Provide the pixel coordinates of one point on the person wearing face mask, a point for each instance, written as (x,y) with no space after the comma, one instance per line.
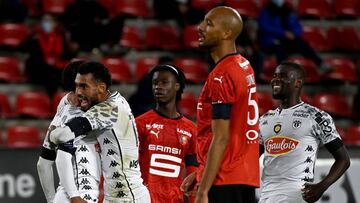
(48,53)
(280,33)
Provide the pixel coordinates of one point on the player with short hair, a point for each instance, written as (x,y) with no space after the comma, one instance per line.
(108,117)
(291,135)
(227,116)
(71,164)
(167,138)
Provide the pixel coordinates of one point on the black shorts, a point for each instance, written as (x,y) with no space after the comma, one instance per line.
(232,194)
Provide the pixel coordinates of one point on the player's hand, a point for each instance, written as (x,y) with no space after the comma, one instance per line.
(201,197)
(77,200)
(312,192)
(289,35)
(188,183)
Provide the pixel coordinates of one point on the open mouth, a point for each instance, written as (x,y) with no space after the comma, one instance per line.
(83,102)
(201,37)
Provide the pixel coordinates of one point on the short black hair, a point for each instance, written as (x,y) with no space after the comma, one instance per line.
(295,67)
(178,73)
(98,70)
(69,74)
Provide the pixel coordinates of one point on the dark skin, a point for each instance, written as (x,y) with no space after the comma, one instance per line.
(164,87)
(286,85)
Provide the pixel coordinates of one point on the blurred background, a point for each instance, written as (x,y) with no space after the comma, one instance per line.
(39,37)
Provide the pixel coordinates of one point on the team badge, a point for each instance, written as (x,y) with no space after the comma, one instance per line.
(277,128)
(183,139)
(296,123)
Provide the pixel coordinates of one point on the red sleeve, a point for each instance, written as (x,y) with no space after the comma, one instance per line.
(192,148)
(222,89)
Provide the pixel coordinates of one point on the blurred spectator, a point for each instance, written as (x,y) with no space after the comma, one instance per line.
(85,21)
(12,11)
(47,51)
(280,33)
(178,10)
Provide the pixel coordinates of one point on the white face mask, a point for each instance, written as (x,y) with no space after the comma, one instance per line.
(47,26)
(278,3)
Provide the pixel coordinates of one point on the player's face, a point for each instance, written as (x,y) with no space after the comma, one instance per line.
(164,86)
(282,83)
(87,90)
(210,30)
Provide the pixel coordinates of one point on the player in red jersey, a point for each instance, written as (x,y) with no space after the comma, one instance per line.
(166,138)
(227,117)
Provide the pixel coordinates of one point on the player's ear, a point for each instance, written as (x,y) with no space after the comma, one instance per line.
(102,88)
(177,86)
(299,83)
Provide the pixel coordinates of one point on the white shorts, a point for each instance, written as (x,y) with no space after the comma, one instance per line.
(283,199)
(62,197)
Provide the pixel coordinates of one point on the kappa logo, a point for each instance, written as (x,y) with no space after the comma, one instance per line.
(280,145)
(277,128)
(219,79)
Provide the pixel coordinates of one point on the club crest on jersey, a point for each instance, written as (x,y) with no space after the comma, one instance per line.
(280,145)
(277,128)
(296,123)
(183,139)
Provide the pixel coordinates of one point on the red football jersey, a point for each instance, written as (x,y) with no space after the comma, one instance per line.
(163,145)
(231,82)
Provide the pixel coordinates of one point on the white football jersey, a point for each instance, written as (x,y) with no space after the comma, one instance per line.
(86,160)
(114,125)
(291,138)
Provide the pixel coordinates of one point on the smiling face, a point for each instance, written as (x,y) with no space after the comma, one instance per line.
(164,86)
(283,83)
(87,90)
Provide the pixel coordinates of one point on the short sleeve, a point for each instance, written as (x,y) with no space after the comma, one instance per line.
(324,127)
(102,116)
(222,89)
(140,129)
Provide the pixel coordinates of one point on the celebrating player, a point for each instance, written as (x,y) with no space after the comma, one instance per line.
(291,135)
(86,173)
(108,117)
(167,139)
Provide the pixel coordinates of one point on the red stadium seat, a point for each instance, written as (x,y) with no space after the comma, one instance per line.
(119,69)
(12,34)
(341,131)
(162,37)
(55,6)
(137,8)
(344,38)
(268,70)
(188,104)
(33,7)
(333,36)
(131,38)
(333,103)
(109,6)
(343,70)
(265,102)
(143,66)
(347,8)
(195,70)
(248,8)
(205,4)
(56,100)
(312,74)
(33,104)
(23,137)
(315,8)
(316,37)
(191,37)
(5,107)
(10,69)
(353,135)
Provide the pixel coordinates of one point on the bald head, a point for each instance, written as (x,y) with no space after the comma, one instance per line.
(229,18)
